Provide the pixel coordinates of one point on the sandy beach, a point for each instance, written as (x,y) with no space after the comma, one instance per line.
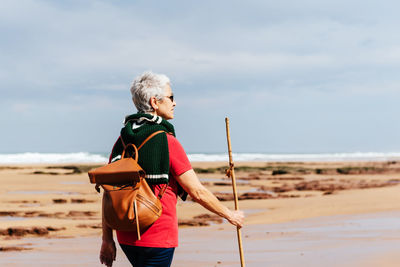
(304,213)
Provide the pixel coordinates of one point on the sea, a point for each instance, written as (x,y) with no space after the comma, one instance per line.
(86,157)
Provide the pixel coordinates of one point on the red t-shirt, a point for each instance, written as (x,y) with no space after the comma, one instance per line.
(164,232)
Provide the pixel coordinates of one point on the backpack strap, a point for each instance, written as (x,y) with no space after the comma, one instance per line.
(149,137)
(164,188)
(162,191)
(122,141)
(145,140)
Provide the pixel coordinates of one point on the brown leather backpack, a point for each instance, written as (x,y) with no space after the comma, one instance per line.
(129,204)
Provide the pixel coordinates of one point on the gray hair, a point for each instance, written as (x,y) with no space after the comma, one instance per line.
(145,86)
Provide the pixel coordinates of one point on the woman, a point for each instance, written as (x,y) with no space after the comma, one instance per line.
(165,162)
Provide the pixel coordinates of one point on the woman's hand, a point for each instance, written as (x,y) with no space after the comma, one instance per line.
(236,217)
(108,253)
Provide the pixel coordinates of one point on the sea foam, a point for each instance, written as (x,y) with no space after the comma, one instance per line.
(32,157)
(290,157)
(85,157)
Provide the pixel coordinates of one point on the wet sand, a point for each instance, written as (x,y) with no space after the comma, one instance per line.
(349,240)
(311,214)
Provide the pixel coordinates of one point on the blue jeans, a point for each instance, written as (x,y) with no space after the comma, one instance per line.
(147,256)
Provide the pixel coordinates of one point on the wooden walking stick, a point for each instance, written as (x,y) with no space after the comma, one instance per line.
(231,173)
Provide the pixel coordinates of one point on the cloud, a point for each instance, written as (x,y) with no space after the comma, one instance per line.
(274,58)
(57,46)
(21,107)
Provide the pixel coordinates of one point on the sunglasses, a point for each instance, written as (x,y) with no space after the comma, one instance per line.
(171,97)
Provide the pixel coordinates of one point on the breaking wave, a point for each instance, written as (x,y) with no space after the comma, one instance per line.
(85,157)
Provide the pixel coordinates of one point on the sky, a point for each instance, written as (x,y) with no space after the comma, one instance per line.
(292,76)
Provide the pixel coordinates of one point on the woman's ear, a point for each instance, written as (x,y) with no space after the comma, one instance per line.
(153,102)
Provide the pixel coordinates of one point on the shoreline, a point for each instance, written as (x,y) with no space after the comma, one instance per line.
(93,158)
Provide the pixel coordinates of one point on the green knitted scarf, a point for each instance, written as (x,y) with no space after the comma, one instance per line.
(154,155)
